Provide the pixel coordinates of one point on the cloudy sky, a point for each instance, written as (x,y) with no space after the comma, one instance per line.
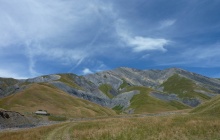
(39,37)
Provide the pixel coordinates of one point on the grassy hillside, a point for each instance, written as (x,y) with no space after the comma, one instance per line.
(55,101)
(124,84)
(106,88)
(144,103)
(183,87)
(211,107)
(69,80)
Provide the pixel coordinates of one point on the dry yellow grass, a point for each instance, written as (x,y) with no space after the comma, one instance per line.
(55,101)
(184,127)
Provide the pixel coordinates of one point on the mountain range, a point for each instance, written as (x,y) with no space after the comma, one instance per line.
(122,90)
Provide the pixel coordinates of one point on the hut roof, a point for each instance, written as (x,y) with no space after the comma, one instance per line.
(41,112)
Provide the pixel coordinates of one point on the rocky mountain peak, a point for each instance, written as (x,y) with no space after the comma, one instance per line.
(46,78)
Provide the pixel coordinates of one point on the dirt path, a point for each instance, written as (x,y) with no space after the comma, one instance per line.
(61,133)
(65,132)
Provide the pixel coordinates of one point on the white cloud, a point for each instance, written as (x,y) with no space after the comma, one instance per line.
(39,21)
(52,29)
(140,44)
(101,67)
(87,71)
(64,56)
(203,56)
(167,23)
(66,32)
(145,56)
(199,56)
(26,20)
(67,55)
(203,52)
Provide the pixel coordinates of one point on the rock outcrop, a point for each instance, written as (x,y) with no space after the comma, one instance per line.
(9,119)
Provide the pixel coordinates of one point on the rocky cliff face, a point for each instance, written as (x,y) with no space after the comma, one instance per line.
(149,78)
(203,86)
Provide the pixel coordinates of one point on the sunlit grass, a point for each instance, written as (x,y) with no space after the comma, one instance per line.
(144,103)
(69,80)
(166,128)
(209,108)
(183,87)
(106,88)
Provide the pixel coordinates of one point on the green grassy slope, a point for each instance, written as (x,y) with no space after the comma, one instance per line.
(183,87)
(211,107)
(144,103)
(105,88)
(69,80)
(124,84)
(55,101)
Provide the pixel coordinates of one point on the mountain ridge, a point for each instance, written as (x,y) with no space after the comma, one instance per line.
(112,88)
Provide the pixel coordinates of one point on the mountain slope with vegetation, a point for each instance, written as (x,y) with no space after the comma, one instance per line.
(172,84)
(120,104)
(183,87)
(144,103)
(149,91)
(8,86)
(211,107)
(46,97)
